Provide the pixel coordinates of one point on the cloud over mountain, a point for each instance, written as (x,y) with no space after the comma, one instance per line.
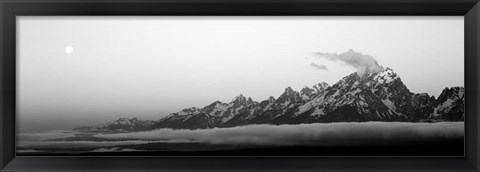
(318,66)
(362,62)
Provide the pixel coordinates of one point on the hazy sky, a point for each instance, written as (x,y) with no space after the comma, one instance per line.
(148,67)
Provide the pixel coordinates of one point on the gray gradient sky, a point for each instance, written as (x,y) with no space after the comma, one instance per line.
(148,67)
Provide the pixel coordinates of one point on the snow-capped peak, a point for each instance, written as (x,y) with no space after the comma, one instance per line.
(192,109)
(289,97)
(350,79)
(217,102)
(271,99)
(213,105)
(250,101)
(188,111)
(453,92)
(450,101)
(386,76)
(321,86)
(239,98)
(306,93)
(119,125)
(289,90)
(127,120)
(305,90)
(122,119)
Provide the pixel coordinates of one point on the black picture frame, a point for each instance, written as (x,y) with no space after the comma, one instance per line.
(9,9)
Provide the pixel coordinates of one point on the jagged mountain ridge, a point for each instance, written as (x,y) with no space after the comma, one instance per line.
(374,96)
(121,124)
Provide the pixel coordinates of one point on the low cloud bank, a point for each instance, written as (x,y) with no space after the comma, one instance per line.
(45,135)
(76,144)
(114,149)
(320,134)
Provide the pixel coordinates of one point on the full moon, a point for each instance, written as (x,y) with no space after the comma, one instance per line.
(68,49)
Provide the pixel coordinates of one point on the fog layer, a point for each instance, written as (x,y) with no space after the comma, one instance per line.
(330,134)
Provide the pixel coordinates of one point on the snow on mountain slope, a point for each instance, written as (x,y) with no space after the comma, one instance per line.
(372,96)
(308,93)
(120,125)
(450,105)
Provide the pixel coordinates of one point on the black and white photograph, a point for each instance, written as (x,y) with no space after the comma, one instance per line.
(240,86)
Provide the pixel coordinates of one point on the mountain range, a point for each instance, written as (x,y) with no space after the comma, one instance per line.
(373,96)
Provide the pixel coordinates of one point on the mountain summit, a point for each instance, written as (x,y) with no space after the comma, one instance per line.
(373,96)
